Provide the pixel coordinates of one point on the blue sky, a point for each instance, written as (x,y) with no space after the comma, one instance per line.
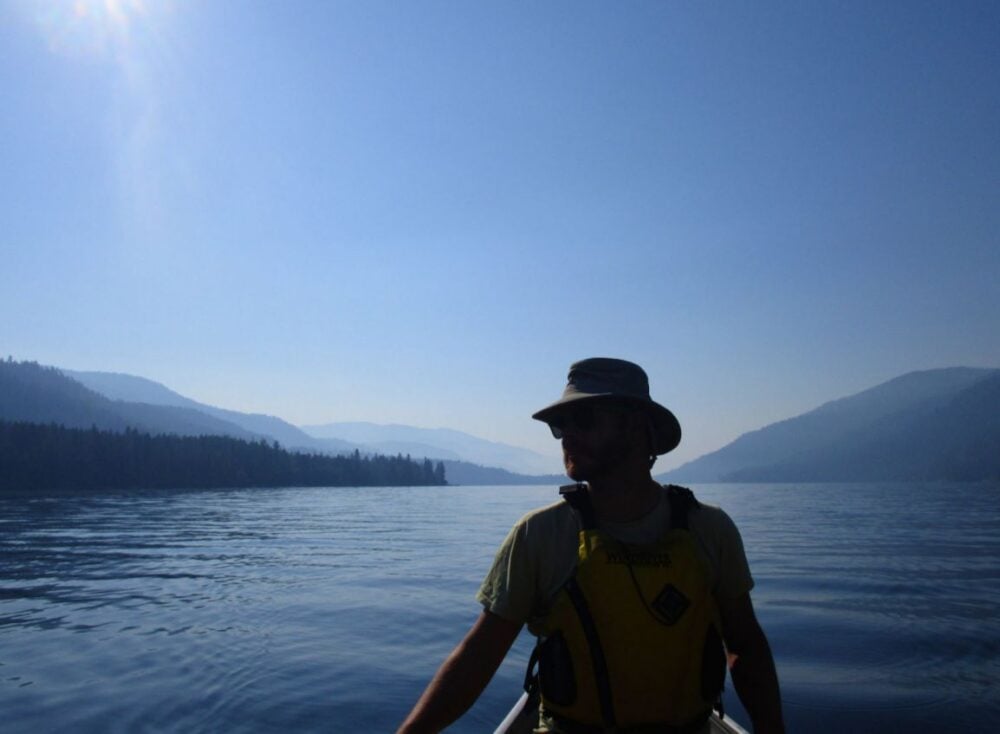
(423,212)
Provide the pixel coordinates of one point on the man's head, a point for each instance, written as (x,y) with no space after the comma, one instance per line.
(605,415)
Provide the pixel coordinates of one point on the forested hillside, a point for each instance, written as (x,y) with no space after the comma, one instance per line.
(36,394)
(49,457)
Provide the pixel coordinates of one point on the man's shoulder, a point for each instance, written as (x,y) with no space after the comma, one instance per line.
(720,540)
(556,513)
(546,529)
(712,514)
(710,521)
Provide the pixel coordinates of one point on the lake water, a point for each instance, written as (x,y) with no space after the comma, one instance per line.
(329,609)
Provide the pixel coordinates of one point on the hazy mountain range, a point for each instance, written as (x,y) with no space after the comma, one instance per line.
(934,425)
(114,401)
(443,443)
(131,389)
(937,424)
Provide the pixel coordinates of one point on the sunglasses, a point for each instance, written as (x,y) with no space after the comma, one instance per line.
(582,417)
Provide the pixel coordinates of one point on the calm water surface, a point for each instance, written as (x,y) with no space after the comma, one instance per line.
(329,609)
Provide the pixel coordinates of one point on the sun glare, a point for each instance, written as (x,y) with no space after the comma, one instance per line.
(90,26)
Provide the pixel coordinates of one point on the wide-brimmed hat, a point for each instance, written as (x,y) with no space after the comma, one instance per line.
(603,377)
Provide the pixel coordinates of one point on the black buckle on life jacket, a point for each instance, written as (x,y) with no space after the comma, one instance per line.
(578,497)
(571,492)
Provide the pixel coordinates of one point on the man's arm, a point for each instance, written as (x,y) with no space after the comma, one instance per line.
(754,675)
(463,675)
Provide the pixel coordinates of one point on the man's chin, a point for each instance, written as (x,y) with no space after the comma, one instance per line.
(575,471)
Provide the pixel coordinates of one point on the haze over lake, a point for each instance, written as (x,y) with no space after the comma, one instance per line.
(328,609)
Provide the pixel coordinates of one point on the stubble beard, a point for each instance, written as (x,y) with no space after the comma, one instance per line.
(588,464)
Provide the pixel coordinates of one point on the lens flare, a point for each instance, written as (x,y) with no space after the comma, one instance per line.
(90,27)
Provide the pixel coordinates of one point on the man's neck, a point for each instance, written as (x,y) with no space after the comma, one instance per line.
(623,497)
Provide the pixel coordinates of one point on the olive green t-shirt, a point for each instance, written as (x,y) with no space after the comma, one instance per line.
(540,553)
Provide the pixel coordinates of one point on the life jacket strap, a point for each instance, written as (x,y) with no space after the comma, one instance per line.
(597,659)
(531,674)
(682,500)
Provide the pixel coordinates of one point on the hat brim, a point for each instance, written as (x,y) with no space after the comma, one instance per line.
(665,423)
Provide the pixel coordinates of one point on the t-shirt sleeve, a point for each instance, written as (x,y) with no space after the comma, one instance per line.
(509,588)
(734,570)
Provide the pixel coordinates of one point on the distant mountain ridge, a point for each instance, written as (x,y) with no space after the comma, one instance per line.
(467,473)
(131,388)
(931,425)
(446,443)
(35,394)
(115,401)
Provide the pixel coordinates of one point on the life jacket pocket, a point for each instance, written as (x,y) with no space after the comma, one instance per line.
(555,670)
(713,665)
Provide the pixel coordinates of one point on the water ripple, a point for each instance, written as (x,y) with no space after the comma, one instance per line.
(303,609)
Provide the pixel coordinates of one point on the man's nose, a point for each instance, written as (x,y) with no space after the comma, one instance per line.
(571,440)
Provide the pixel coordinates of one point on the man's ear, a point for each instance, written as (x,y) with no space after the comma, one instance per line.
(648,433)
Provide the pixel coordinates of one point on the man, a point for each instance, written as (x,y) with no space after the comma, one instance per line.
(628,585)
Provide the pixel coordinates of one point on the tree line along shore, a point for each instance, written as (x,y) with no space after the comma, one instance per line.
(35,456)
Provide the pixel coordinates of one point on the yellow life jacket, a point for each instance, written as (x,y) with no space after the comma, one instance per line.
(632,639)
